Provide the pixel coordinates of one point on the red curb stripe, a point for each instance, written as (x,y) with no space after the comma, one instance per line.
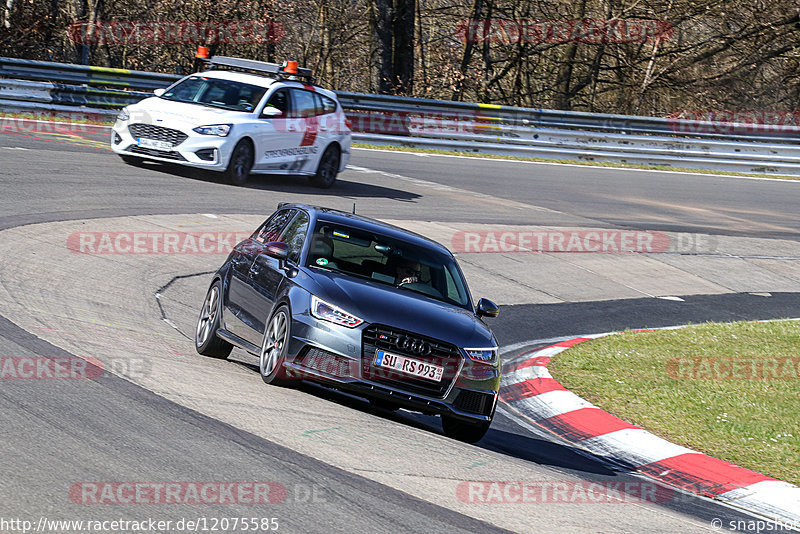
(571,342)
(530,388)
(584,423)
(702,474)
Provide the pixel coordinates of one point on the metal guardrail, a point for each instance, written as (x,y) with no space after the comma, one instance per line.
(445,125)
(26,69)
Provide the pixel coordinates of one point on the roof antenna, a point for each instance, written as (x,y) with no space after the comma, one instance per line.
(354,208)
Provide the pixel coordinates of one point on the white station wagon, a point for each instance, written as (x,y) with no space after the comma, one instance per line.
(240,117)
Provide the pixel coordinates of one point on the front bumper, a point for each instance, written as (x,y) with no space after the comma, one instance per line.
(203,151)
(336,355)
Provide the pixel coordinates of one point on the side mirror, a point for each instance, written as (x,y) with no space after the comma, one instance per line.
(159,92)
(277,250)
(271,112)
(487,308)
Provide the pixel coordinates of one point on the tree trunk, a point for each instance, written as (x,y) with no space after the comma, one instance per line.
(403,64)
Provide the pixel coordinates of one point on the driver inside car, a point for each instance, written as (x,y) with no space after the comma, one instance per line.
(407,272)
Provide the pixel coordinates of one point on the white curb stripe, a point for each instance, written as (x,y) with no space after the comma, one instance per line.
(527,373)
(551,404)
(773,498)
(549,351)
(638,447)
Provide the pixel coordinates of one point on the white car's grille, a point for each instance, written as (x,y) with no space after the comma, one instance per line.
(159,133)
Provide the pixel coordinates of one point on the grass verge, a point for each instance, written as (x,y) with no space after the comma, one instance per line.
(610,164)
(730,390)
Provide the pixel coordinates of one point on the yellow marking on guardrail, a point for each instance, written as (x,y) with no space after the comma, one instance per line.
(489,106)
(109,70)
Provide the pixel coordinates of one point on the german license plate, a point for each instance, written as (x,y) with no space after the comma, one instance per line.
(153,143)
(409,366)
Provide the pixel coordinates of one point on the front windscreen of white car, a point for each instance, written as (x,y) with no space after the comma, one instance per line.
(225,94)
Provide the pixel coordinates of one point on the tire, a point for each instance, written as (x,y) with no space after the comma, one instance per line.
(273,349)
(327,169)
(205,339)
(240,163)
(131,160)
(463,430)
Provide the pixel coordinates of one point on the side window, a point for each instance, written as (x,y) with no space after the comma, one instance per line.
(304,103)
(280,100)
(272,229)
(295,235)
(327,105)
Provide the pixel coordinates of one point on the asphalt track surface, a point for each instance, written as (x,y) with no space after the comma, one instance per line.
(58,432)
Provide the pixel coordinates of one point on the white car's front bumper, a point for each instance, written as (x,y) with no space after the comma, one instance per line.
(206,151)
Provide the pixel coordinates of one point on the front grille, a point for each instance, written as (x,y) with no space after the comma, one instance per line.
(157,153)
(386,338)
(329,363)
(159,133)
(474,402)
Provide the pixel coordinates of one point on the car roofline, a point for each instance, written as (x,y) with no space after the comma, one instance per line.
(363,223)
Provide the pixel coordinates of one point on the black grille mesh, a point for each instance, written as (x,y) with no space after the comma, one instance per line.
(474,402)
(159,133)
(383,337)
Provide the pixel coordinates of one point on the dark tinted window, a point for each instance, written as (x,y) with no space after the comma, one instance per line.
(218,93)
(295,235)
(304,103)
(388,261)
(280,100)
(272,229)
(328,105)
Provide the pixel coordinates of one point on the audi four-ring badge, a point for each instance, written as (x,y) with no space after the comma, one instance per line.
(360,305)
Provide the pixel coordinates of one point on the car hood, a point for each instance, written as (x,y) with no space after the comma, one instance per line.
(162,112)
(375,302)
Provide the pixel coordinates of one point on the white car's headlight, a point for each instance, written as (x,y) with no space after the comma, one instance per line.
(487,355)
(220,130)
(123,115)
(328,312)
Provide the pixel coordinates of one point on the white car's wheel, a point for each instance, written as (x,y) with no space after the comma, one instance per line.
(240,163)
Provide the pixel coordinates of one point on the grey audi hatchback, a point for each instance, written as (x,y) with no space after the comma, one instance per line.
(323,295)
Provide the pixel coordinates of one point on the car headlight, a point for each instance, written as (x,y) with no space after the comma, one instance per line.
(328,312)
(220,130)
(123,115)
(487,355)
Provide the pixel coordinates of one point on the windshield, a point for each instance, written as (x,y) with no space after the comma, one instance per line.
(388,261)
(224,94)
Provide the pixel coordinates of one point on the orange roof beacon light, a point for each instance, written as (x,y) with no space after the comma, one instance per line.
(290,67)
(202,52)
